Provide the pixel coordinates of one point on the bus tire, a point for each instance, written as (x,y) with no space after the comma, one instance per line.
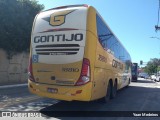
(106,98)
(114,90)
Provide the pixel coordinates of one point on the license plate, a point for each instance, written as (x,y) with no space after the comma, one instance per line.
(52,90)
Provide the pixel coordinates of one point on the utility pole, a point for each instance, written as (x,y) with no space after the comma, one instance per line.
(156,26)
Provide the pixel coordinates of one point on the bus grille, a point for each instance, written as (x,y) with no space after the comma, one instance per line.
(57,49)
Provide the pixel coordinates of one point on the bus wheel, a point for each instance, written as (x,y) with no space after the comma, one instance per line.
(108,94)
(114,90)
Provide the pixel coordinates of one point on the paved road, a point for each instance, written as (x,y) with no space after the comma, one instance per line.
(143,95)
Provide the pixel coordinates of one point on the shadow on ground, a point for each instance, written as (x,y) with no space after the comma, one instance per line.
(132,98)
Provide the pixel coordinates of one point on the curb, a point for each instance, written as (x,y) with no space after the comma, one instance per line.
(11,86)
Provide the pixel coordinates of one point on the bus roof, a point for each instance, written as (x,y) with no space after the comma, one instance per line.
(68,6)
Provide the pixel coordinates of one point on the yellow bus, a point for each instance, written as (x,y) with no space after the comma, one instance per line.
(75,56)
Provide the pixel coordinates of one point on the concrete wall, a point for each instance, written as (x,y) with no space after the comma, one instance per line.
(14,70)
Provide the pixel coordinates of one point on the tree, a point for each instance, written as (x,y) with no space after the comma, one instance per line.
(16,18)
(152,66)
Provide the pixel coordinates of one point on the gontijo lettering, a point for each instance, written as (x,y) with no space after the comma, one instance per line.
(58,38)
(117,64)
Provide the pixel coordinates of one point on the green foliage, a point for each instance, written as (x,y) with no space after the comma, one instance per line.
(153,66)
(16,18)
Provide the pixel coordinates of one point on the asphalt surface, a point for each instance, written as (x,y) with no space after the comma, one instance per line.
(142,96)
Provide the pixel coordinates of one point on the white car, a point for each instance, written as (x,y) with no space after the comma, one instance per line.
(153,77)
(144,75)
(158,78)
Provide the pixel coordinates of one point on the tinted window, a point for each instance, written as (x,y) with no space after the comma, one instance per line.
(110,42)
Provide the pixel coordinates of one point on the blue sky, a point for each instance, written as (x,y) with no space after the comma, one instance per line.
(132,21)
